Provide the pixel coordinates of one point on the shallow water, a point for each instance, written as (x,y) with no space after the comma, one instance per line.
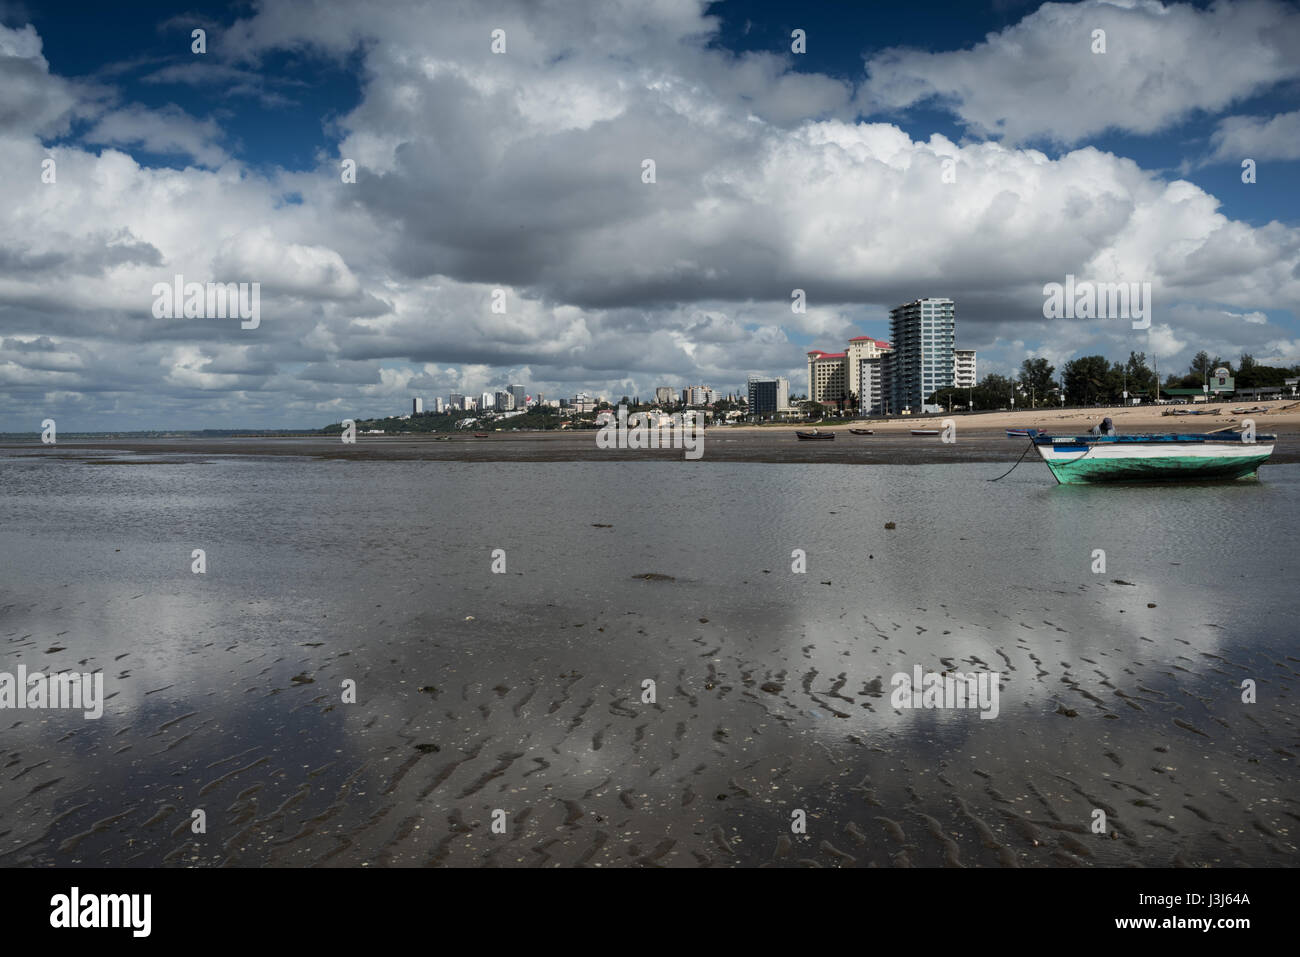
(522,691)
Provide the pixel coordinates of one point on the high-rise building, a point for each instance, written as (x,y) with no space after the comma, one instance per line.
(664,395)
(417,407)
(520,396)
(505,401)
(859,348)
(923,332)
(887,382)
(768,397)
(698,395)
(871,380)
(486,401)
(456,401)
(439,406)
(963,368)
(828,376)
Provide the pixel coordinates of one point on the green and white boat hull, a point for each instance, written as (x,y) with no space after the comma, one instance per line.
(1079,460)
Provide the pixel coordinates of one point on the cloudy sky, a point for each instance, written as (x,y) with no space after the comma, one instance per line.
(523,171)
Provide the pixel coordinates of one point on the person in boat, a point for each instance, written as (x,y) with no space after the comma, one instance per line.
(1105,427)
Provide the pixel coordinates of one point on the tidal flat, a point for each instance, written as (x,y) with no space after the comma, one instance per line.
(620,663)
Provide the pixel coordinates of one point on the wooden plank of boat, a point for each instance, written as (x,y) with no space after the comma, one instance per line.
(925,431)
(862,431)
(815,434)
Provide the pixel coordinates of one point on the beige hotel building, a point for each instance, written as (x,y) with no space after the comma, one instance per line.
(832,374)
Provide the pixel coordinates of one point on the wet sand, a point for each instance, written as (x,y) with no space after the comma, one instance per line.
(522,692)
(893,444)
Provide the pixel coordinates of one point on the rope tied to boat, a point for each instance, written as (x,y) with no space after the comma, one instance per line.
(1028,449)
(1086,453)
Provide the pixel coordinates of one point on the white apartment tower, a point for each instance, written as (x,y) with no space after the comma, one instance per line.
(963,368)
(923,332)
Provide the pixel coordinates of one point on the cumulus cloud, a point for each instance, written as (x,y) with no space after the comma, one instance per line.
(523,172)
(1256,137)
(31,100)
(1039,79)
(168,131)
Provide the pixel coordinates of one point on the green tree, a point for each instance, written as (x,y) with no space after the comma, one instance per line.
(1201,367)
(997,389)
(1247,372)
(1141,380)
(1036,378)
(1087,379)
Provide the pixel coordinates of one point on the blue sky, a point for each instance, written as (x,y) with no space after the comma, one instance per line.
(521,171)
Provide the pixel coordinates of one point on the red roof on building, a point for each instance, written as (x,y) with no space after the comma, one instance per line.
(826,355)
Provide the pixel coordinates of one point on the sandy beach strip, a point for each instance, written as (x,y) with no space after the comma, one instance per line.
(980,437)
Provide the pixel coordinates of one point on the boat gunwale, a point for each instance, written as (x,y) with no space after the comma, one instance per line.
(1172,438)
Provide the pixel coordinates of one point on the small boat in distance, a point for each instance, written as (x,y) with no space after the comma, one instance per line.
(480,435)
(862,431)
(815,434)
(925,431)
(1192,457)
(1017,433)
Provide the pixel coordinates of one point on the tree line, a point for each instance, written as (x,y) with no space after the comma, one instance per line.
(1088,380)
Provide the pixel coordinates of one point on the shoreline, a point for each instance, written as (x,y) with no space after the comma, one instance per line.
(1279,415)
(980,437)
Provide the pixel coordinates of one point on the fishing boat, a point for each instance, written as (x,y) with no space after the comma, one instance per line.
(862,431)
(1017,433)
(1191,457)
(480,435)
(815,434)
(925,431)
